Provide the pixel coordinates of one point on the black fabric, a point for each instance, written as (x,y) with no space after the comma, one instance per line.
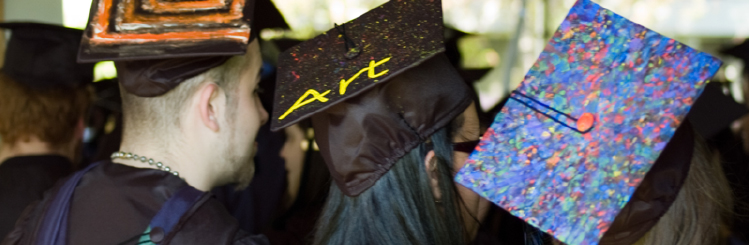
(740,51)
(114,203)
(362,137)
(23,180)
(713,111)
(150,78)
(43,56)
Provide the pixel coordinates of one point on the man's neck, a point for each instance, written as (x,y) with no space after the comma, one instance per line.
(189,167)
(32,147)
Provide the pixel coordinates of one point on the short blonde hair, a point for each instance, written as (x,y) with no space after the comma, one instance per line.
(148,116)
(702,207)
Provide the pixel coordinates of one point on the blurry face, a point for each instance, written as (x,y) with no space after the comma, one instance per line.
(474,207)
(246,120)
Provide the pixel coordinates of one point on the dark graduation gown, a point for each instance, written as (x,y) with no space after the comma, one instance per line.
(114,203)
(23,180)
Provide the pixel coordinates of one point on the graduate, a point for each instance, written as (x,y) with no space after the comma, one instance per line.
(594,146)
(188,73)
(393,120)
(43,104)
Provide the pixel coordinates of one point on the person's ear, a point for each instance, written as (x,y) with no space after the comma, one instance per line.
(430,165)
(207,105)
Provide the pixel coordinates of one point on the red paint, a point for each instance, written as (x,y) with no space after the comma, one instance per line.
(585,122)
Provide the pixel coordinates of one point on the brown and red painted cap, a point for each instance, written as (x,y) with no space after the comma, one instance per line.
(374,87)
(157,44)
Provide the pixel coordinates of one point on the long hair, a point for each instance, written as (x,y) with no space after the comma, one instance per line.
(400,208)
(701,207)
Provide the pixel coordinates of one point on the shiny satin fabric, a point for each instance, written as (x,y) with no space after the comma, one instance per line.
(657,191)
(114,203)
(151,78)
(362,137)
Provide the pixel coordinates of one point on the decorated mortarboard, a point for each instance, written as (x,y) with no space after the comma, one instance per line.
(375,88)
(42,56)
(584,129)
(157,44)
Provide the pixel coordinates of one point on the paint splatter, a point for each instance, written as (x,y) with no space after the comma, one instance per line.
(637,84)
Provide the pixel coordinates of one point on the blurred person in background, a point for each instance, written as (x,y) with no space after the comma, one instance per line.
(44,97)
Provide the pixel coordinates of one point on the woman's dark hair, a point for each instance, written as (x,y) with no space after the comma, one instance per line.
(400,208)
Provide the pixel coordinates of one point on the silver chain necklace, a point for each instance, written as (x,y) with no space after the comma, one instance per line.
(131,156)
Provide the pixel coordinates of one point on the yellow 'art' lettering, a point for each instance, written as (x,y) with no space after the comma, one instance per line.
(301,101)
(371,74)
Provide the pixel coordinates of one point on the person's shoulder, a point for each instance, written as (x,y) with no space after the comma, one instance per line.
(30,219)
(211,223)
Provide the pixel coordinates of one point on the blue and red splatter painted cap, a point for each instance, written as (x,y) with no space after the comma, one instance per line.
(588,122)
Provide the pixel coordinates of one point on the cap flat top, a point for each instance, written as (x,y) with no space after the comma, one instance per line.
(156,29)
(320,72)
(544,159)
(43,56)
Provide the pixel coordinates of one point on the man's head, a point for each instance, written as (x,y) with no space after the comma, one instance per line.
(53,117)
(208,122)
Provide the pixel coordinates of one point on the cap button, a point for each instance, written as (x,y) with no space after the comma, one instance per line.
(157,234)
(353,52)
(585,122)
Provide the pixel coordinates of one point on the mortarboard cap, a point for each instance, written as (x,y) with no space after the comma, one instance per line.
(42,56)
(740,51)
(714,111)
(269,16)
(157,44)
(374,87)
(590,119)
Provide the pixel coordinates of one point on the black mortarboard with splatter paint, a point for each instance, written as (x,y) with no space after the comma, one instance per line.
(375,88)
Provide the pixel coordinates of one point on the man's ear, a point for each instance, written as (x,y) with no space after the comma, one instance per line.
(430,165)
(206,106)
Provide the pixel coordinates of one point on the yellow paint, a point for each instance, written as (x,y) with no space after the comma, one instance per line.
(370,73)
(301,101)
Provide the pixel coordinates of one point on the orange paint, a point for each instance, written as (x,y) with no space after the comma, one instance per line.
(172,7)
(107,38)
(130,17)
(552,162)
(585,122)
(101,35)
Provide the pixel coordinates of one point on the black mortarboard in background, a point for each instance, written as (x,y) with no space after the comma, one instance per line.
(713,111)
(43,56)
(375,88)
(269,16)
(740,51)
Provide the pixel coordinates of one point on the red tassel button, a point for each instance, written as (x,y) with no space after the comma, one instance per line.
(585,122)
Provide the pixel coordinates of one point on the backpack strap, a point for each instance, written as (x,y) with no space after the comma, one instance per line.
(54,227)
(172,211)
